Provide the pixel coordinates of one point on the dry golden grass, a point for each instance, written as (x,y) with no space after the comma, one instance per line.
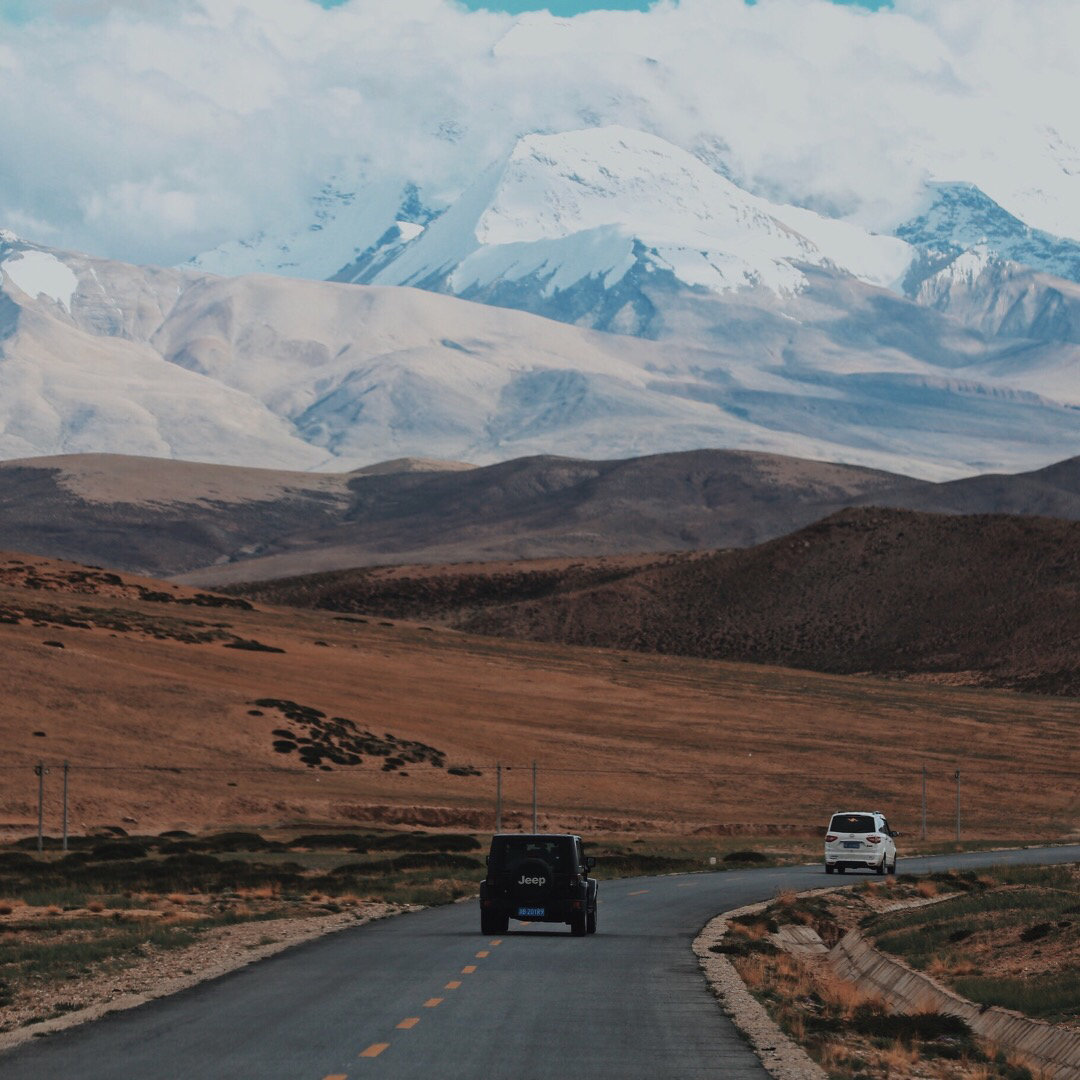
(844,996)
(259,892)
(947,967)
(749,749)
(96,906)
(6,907)
(898,1059)
(753,970)
(927,889)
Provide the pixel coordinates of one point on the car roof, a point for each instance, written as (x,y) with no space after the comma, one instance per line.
(540,836)
(872,813)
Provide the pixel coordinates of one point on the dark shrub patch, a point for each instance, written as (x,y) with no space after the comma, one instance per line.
(744,946)
(181,847)
(241,841)
(251,645)
(1034,933)
(117,850)
(332,841)
(745,857)
(325,742)
(925,1027)
(10,860)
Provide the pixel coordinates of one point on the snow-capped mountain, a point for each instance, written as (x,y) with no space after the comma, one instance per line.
(609,227)
(960,218)
(565,208)
(267,370)
(567,224)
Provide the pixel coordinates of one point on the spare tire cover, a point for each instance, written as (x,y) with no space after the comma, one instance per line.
(531,882)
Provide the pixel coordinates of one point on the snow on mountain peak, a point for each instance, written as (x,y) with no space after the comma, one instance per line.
(8,237)
(969,266)
(38,273)
(593,204)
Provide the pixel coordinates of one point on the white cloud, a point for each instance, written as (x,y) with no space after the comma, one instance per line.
(151,131)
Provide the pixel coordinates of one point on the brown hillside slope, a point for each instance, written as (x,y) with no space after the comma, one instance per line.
(987,599)
(166,725)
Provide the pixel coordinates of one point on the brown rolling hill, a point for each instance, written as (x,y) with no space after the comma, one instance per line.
(989,599)
(215,525)
(180,709)
(981,599)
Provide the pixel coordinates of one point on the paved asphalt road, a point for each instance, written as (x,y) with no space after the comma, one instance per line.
(426,995)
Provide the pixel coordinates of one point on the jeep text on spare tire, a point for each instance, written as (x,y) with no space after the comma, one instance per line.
(538,877)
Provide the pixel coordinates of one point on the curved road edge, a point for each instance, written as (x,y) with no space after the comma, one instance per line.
(332,924)
(781,1056)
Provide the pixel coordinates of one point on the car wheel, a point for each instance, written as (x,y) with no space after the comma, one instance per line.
(892,869)
(828,869)
(578,925)
(590,922)
(491,923)
(841,869)
(880,868)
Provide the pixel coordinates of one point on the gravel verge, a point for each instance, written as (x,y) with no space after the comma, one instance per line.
(782,1058)
(161,972)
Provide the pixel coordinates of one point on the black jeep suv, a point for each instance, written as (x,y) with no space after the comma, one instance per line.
(538,877)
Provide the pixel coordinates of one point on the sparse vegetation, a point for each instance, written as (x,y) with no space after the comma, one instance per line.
(984,934)
(341,742)
(982,941)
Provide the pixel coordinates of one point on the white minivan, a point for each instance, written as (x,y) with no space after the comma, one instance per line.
(860,840)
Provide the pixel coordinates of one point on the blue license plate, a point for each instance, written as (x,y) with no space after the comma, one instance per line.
(852,844)
(530,913)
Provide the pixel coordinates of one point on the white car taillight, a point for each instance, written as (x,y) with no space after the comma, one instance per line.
(873,839)
(831,838)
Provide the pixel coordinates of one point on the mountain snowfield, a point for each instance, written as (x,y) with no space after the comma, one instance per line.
(288,373)
(582,204)
(565,208)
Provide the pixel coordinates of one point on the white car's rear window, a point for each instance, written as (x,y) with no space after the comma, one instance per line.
(854,823)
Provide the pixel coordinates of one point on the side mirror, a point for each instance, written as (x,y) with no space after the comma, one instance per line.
(895,832)
(590,861)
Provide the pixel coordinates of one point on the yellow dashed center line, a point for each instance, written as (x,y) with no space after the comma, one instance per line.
(639,892)
(374,1050)
(468,969)
(336,1076)
(432,1002)
(496,943)
(410,1022)
(453,984)
(482,953)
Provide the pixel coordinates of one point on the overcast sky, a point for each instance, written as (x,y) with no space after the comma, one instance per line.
(151,131)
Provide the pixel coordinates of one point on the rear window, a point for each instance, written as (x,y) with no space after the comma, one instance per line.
(858,823)
(509,850)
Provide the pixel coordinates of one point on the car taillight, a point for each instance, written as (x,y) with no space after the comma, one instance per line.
(831,837)
(873,839)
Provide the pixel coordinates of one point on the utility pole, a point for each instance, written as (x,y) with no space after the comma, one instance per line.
(498,796)
(39,768)
(67,768)
(957,774)
(924,802)
(534,797)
